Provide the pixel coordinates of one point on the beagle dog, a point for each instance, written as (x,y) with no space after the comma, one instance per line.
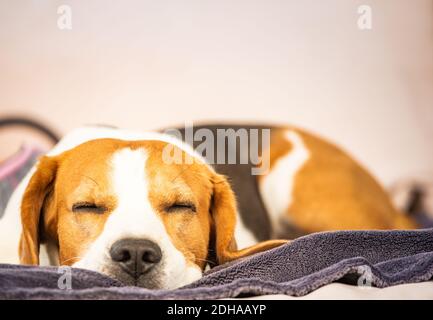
(105,199)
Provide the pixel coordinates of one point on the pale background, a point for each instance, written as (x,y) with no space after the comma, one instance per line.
(150,64)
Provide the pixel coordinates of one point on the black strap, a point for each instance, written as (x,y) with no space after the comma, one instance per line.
(26,122)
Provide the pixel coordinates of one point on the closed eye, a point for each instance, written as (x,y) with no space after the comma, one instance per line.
(179,207)
(88,207)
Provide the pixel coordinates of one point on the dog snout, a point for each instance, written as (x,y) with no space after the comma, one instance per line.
(136,256)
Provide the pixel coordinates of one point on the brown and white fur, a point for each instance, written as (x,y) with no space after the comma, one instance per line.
(99,186)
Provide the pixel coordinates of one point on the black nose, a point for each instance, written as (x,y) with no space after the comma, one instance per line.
(136,256)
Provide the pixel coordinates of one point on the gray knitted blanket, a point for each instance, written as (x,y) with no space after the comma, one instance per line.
(368,258)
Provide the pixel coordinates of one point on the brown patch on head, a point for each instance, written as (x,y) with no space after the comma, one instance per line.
(180,194)
(78,175)
(83,179)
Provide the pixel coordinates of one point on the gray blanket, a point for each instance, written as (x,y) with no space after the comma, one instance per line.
(377,258)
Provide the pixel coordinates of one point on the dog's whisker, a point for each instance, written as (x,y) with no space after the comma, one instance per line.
(72,258)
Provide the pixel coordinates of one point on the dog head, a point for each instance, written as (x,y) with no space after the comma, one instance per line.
(117,207)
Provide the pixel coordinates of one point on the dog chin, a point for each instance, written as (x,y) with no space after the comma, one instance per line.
(143,281)
(155,279)
(160,277)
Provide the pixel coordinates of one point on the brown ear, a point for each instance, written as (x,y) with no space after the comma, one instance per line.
(31,207)
(223,213)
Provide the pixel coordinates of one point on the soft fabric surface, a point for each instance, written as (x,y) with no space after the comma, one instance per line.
(394,257)
(342,291)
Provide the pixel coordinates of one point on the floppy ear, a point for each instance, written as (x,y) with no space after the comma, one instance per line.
(223,212)
(31,208)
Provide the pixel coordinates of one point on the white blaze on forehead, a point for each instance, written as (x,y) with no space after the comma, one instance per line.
(134,215)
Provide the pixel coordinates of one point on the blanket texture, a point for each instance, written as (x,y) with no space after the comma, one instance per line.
(376,258)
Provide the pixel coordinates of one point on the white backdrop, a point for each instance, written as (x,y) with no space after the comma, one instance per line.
(149,64)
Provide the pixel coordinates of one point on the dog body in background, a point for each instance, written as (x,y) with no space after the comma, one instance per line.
(104,199)
(311,186)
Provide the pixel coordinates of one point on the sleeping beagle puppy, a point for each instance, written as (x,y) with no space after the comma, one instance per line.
(106,200)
